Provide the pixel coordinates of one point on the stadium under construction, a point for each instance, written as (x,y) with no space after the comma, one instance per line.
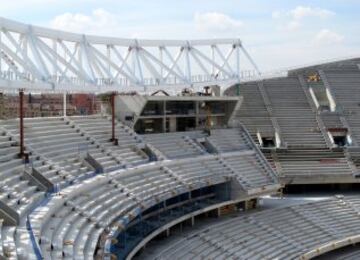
(170,150)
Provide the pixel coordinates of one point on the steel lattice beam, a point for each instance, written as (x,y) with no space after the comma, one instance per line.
(36,58)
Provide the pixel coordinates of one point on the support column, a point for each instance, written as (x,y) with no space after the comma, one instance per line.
(64,104)
(238,61)
(113,138)
(161,49)
(164,117)
(21,117)
(2,105)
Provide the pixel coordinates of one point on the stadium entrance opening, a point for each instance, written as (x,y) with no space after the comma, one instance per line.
(266,139)
(340,136)
(340,140)
(268,142)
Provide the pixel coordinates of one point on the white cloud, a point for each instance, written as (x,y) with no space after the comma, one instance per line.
(14,5)
(293,25)
(99,22)
(301,12)
(327,37)
(276,14)
(102,22)
(293,19)
(216,22)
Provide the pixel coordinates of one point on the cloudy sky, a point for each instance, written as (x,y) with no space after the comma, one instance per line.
(277,33)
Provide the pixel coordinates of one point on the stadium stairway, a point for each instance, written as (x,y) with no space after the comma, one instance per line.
(344,85)
(332,119)
(229,141)
(296,119)
(253,112)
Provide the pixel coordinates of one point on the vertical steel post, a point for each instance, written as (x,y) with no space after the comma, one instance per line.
(162,61)
(213,59)
(112,116)
(237,61)
(21,116)
(64,104)
(113,138)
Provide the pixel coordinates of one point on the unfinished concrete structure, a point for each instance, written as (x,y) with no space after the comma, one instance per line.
(104,186)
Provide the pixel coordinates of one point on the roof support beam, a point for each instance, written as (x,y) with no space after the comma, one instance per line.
(73,61)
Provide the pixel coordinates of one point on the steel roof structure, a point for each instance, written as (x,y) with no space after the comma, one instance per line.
(40,59)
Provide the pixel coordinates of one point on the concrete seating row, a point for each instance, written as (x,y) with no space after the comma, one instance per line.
(18,194)
(253,111)
(69,226)
(177,144)
(331,120)
(292,232)
(254,171)
(313,163)
(8,246)
(99,127)
(229,139)
(94,209)
(57,151)
(1,242)
(55,141)
(354,255)
(355,157)
(16,191)
(229,143)
(59,147)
